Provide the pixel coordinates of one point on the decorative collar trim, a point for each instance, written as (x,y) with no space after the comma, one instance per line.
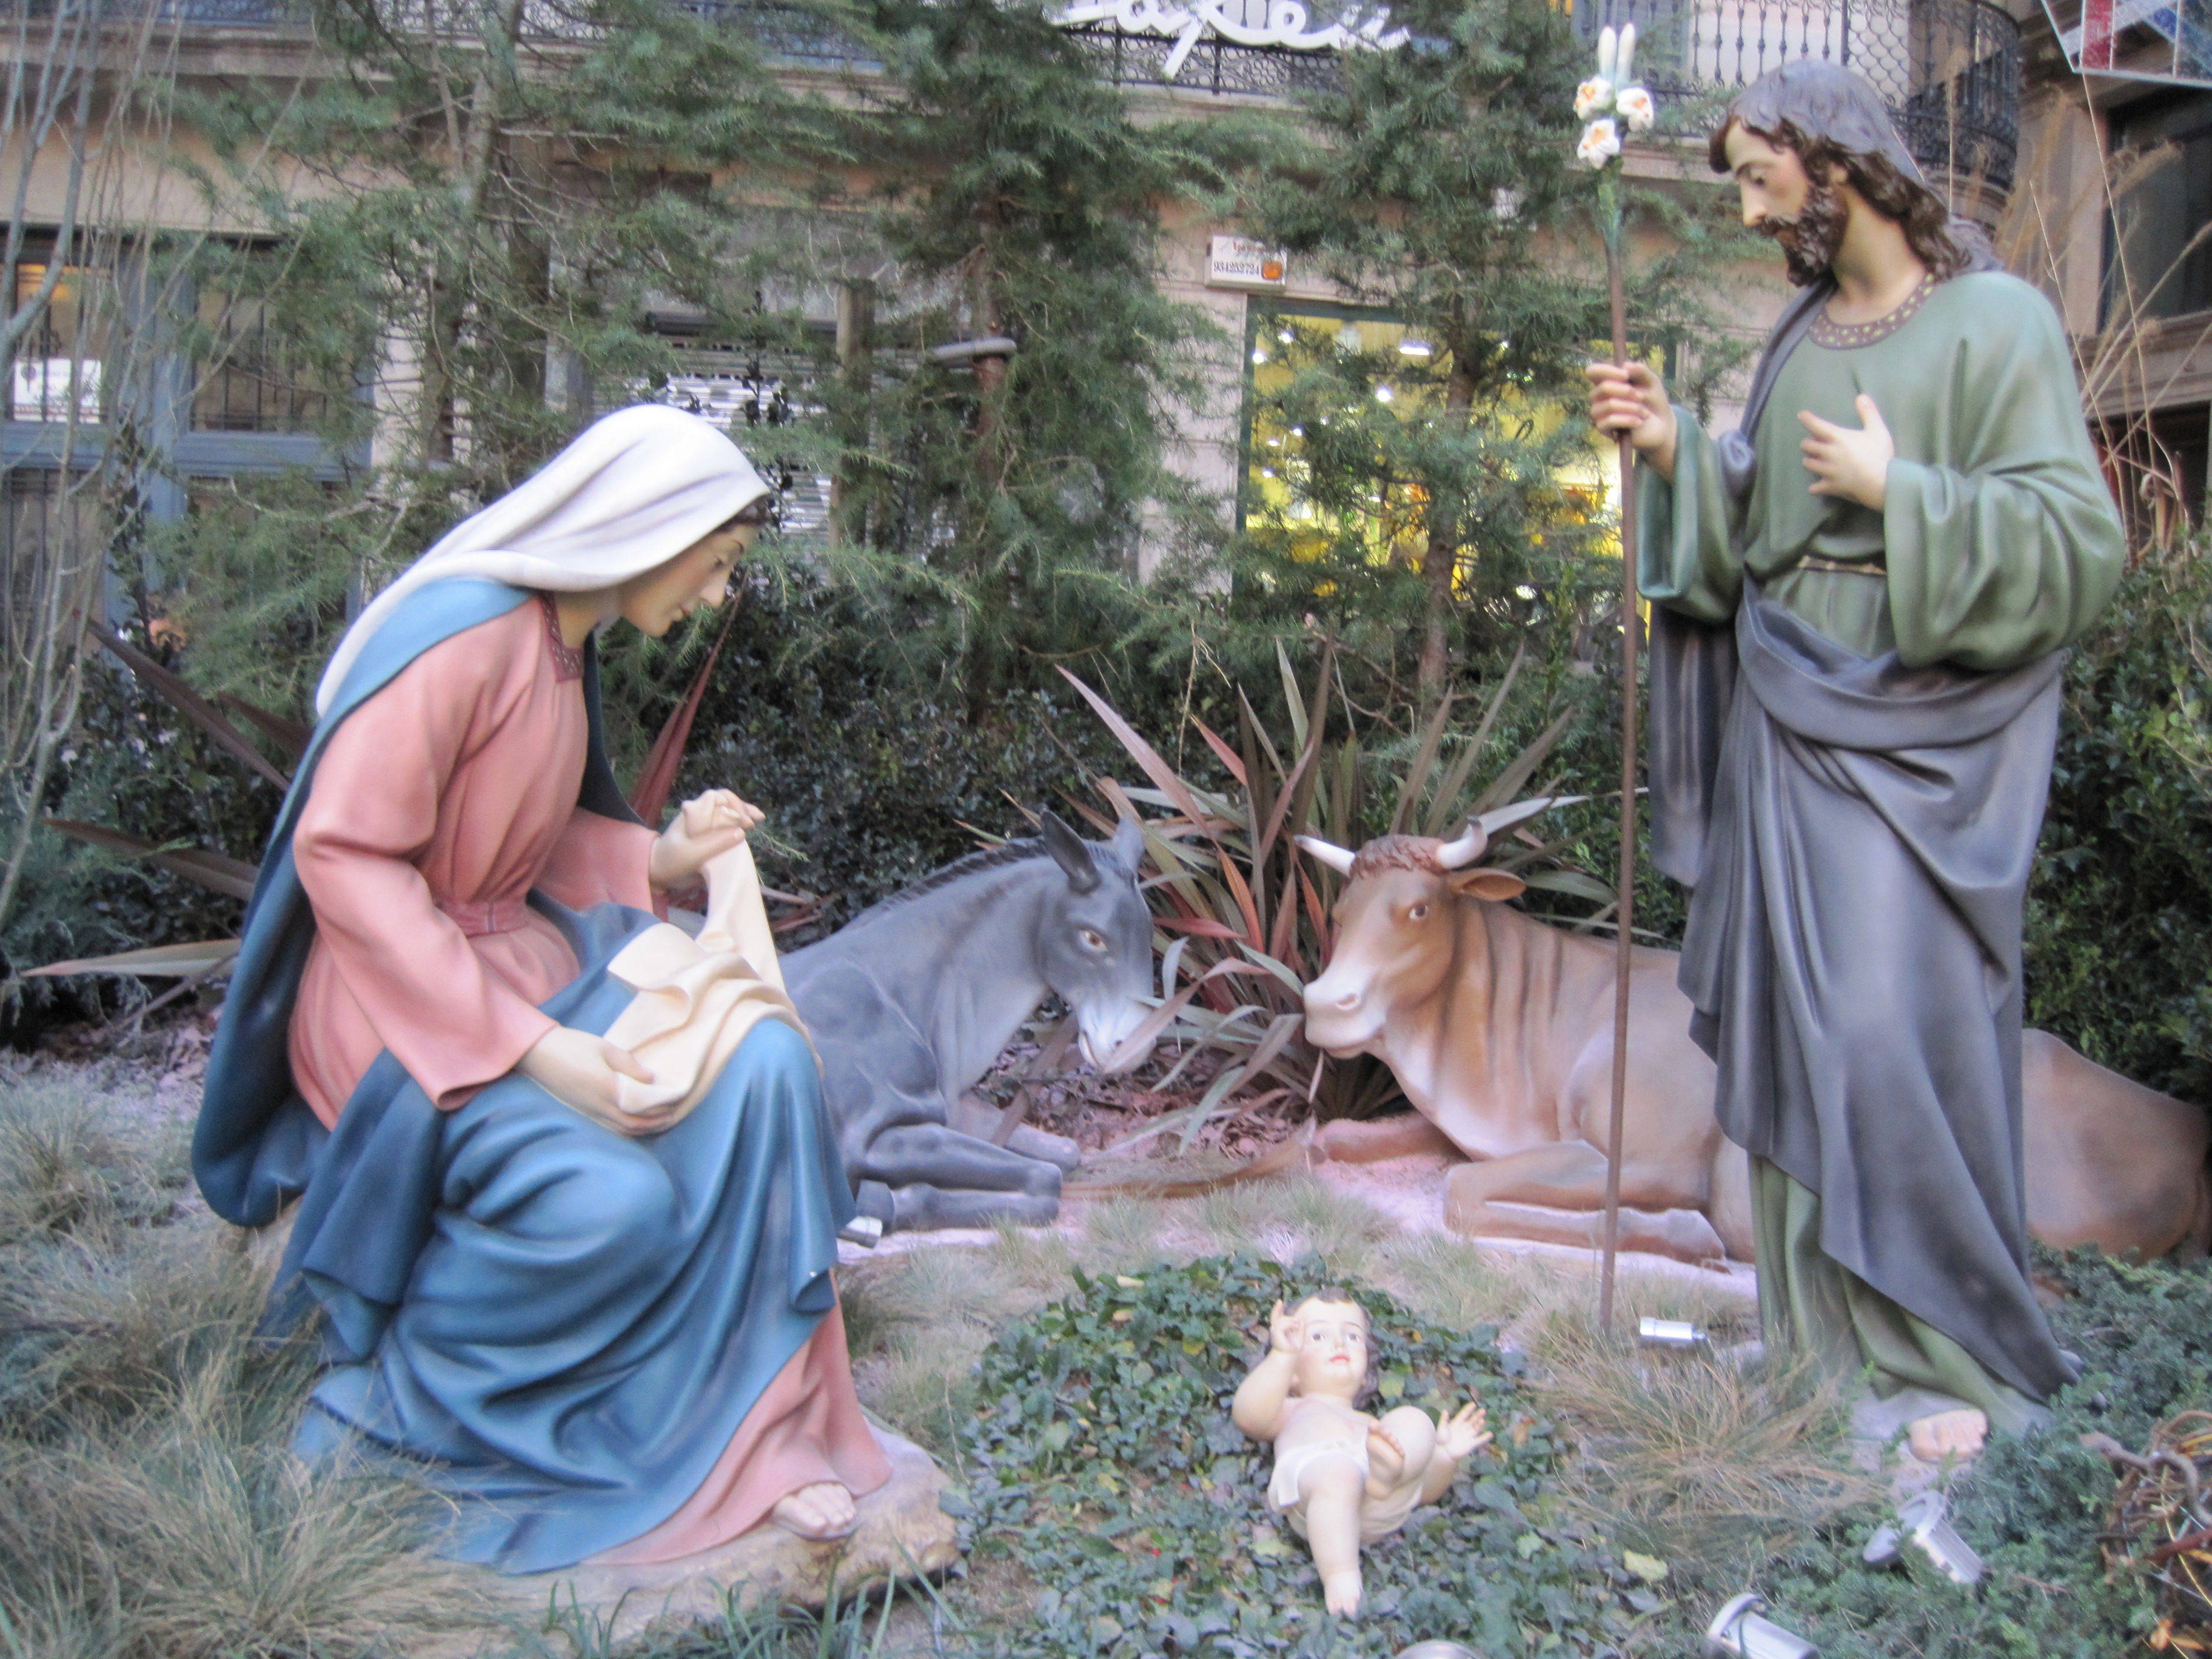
(1843,336)
(568,660)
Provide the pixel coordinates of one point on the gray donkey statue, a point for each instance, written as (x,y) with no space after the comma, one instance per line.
(910,1002)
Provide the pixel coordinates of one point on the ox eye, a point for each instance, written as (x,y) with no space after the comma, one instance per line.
(1419,913)
(1092,938)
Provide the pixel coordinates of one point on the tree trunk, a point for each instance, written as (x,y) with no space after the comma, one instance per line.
(1440,558)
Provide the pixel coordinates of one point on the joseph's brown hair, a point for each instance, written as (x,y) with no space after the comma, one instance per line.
(1926,222)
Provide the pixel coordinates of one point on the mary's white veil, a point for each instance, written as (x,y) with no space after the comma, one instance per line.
(632,492)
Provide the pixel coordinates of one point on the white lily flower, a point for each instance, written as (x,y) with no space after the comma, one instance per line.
(1608,44)
(1600,143)
(1592,97)
(1627,53)
(1637,109)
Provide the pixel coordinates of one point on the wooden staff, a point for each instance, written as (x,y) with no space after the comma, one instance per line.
(1625,910)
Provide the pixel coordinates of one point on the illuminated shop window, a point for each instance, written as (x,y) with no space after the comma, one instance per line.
(1337,404)
(55,375)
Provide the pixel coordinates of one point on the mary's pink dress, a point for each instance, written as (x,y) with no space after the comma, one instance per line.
(436,808)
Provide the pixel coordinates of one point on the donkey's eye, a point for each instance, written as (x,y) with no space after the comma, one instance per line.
(1092,938)
(1419,913)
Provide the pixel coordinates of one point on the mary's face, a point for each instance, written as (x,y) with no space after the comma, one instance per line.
(700,575)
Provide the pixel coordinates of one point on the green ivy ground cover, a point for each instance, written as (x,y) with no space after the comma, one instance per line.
(1102,1464)
(2035,1509)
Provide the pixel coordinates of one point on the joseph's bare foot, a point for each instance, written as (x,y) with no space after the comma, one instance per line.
(1948,1434)
(816,1513)
(1340,1593)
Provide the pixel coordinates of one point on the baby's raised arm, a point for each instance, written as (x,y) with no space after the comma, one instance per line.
(1258,1409)
(1458,1437)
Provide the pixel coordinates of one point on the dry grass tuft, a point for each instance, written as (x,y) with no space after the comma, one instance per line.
(1717,1457)
(149,1505)
(917,1321)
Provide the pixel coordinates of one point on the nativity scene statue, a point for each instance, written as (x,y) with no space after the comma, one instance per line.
(1341,1476)
(581,1285)
(1861,604)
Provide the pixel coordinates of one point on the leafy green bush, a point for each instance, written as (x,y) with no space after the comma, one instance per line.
(2120,920)
(871,773)
(1102,1462)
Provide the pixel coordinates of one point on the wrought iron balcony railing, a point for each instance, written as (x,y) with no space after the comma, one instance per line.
(1949,68)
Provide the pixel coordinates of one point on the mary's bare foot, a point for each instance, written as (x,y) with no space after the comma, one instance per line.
(1340,1593)
(816,1513)
(1956,1434)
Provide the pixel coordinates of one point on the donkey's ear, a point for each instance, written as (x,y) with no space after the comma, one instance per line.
(1496,885)
(1068,851)
(1129,844)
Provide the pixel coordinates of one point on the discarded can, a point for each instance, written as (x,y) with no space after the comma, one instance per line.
(1669,1333)
(1923,1520)
(1438,1650)
(1737,1628)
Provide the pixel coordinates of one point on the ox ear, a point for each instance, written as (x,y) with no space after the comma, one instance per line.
(1068,851)
(1129,844)
(1496,885)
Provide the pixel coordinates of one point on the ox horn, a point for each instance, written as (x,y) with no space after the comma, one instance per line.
(1504,818)
(1328,852)
(1458,854)
(1470,847)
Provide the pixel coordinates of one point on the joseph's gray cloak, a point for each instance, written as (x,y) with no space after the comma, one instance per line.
(1848,766)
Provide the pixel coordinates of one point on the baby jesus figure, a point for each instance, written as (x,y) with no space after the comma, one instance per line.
(1343,1478)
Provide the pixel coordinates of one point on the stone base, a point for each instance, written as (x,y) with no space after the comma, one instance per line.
(902,1534)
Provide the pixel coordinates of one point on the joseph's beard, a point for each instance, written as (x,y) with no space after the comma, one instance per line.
(1809,241)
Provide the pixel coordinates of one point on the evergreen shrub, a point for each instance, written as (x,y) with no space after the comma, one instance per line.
(2119,919)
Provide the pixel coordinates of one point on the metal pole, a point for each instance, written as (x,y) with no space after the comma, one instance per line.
(1624,911)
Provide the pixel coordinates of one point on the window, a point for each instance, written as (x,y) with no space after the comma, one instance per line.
(56,372)
(246,382)
(758,395)
(2151,269)
(1334,399)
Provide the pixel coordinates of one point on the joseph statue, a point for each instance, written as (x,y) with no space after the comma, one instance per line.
(1861,600)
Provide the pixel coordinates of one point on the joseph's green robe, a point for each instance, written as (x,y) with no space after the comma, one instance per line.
(1998,544)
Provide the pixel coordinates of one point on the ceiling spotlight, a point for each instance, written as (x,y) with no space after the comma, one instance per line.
(1924,1521)
(1737,1628)
(1383,394)
(1298,432)
(1416,349)
(1259,354)
(1285,336)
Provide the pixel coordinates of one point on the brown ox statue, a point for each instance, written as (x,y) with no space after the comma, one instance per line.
(1499,1028)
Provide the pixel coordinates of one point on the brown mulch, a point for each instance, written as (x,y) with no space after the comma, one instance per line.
(1095,1111)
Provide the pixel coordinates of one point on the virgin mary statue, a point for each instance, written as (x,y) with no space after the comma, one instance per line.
(606,1335)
